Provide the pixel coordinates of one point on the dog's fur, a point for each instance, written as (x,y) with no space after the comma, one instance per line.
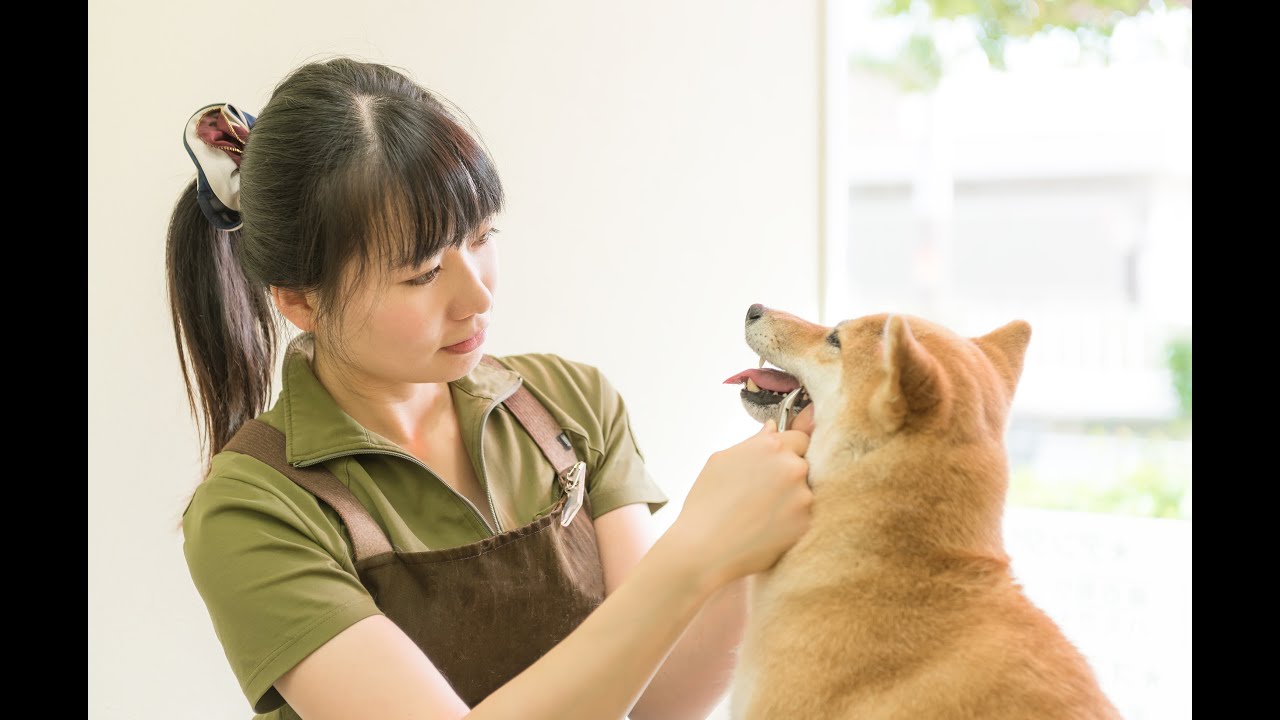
(899,602)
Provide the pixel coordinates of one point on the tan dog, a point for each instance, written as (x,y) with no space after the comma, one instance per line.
(899,602)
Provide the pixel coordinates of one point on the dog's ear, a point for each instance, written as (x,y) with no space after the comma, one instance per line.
(1007,347)
(912,380)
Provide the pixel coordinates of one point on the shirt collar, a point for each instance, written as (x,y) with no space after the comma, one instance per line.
(317,428)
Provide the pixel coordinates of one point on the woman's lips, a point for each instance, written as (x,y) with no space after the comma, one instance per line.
(467,345)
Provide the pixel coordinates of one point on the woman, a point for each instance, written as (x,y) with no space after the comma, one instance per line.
(397,535)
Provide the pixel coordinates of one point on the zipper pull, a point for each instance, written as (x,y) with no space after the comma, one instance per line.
(574,481)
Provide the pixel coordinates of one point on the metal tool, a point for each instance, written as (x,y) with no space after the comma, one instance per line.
(784,411)
(573,480)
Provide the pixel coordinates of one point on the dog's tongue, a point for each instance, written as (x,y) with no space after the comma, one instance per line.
(767,378)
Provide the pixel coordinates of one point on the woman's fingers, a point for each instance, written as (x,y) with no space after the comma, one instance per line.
(803,421)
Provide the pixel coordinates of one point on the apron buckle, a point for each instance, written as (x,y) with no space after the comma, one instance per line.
(572,480)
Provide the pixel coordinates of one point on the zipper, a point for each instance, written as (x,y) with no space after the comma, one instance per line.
(479,444)
(480,449)
(415,460)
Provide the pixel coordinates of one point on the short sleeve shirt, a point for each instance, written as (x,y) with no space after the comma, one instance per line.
(274,564)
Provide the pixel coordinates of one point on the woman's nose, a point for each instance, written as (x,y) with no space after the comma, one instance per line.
(474,273)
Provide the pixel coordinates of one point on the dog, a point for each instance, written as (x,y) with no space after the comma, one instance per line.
(899,602)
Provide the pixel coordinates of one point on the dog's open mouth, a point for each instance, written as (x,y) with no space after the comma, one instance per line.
(765,386)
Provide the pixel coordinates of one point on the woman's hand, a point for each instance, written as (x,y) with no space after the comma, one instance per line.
(750,503)
(803,421)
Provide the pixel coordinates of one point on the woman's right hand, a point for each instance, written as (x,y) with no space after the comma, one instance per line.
(750,503)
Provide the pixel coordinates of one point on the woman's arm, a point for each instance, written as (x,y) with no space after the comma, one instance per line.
(696,674)
(694,678)
(372,669)
(728,528)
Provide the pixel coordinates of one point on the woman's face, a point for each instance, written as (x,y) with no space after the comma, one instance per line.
(399,334)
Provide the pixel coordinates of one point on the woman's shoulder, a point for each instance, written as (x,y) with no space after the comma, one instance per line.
(240,480)
(236,479)
(582,389)
(566,380)
(552,369)
(244,506)
(618,475)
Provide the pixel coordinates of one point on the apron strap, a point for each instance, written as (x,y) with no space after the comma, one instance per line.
(539,423)
(258,439)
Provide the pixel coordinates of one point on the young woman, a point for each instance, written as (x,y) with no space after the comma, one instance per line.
(396,536)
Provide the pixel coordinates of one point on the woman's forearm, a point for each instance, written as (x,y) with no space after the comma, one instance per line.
(600,669)
(696,674)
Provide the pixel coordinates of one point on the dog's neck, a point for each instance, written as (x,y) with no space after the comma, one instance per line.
(916,505)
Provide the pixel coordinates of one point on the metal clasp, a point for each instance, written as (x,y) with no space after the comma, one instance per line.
(574,490)
(570,478)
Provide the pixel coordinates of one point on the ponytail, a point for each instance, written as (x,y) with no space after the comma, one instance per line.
(223,325)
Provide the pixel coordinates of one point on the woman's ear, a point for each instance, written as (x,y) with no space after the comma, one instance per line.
(297,307)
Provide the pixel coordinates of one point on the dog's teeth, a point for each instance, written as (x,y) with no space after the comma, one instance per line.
(751,385)
(761,362)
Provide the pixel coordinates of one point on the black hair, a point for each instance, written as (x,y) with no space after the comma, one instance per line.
(350,166)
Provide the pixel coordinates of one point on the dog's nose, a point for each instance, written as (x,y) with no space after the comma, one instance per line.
(754,312)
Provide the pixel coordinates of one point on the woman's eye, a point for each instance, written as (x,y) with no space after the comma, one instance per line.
(425,278)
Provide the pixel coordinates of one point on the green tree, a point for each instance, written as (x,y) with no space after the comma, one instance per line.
(919,65)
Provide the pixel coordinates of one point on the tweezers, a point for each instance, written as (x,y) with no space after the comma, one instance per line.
(784,412)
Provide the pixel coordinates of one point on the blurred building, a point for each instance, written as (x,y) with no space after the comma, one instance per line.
(1061,197)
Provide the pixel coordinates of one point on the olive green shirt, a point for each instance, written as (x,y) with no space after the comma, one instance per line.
(274,564)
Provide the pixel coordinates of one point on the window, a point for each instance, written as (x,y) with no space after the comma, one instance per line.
(1057,191)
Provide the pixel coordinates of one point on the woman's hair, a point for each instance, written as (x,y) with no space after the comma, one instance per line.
(349,167)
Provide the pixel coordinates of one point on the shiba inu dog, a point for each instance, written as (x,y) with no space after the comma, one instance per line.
(899,602)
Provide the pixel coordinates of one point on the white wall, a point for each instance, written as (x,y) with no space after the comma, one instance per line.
(662,167)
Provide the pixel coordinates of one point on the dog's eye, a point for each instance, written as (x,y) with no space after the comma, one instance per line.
(834,339)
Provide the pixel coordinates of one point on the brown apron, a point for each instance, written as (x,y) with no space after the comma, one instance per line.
(483,612)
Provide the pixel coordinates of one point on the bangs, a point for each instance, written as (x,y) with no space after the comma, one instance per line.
(421,187)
